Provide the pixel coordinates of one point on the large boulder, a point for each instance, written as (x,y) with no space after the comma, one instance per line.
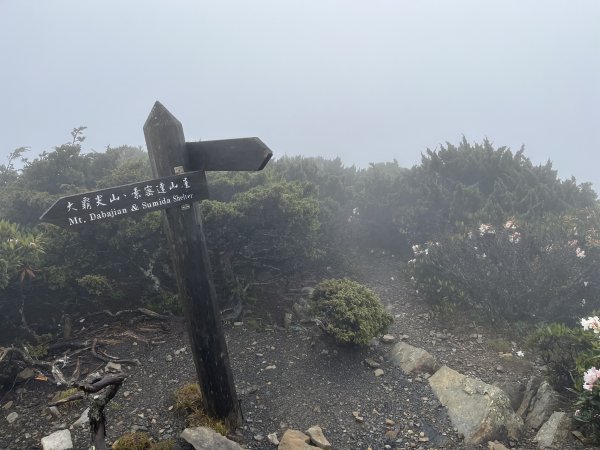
(203,438)
(554,432)
(412,359)
(539,403)
(479,411)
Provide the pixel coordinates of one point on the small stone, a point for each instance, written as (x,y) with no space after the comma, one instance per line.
(389,422)
(499,369)
(25,374)
(169,358)
(126,394)
(7,405)
(358,417)
(388,338)
(54,411)
(272,367)
(238,324)
(12,417)
(318,438)
(259,437)
(378,372)
(391,434)
(112,367)
(272,437)
(372,363)
(83,420)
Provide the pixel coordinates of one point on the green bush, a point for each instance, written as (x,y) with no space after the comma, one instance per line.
(537,271)
(349,311)
(563,350)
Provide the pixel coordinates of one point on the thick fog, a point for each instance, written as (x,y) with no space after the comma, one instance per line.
(366,81)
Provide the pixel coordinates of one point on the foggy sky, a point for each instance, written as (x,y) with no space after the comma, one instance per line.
(368,81)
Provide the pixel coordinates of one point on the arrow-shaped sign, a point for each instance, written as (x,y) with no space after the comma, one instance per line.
(228,154)
(126,200)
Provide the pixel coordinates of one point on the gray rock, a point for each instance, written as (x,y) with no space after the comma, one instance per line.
(55,412)
(25,374)
(203,438)
(83,420)
(530,390)
(372,363)
(59,440)
(7,405)
(479,411)
(112,367)
(412,359)
(388,338)
(12,417)
(378,372)
(272,437)
(554,432)
(540,406)
(318,438)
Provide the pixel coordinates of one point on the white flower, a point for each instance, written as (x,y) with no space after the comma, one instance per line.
(486,228)
(520,353)
(579,253)
(590,378)
(585,283)
(591,323)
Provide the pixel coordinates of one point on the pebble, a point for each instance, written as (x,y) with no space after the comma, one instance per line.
(372,363)
(7,405)
(378,372)
(272,437)
(12,417)
(358,417)
(388,338)
(169,358)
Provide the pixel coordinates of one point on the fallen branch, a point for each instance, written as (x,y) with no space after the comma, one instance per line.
(143,311)
(104,358)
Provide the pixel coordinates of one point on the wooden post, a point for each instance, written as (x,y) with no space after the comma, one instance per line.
(168,156)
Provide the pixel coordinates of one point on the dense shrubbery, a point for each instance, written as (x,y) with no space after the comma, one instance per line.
(541,271)
(301,212)
(349,311)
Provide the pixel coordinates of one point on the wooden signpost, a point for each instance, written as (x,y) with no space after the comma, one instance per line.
(180,183)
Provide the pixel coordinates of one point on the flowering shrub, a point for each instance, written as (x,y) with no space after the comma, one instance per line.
(588,384)
(515,271)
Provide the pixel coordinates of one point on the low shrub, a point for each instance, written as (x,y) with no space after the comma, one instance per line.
(349,311)
(561,348)
(133,441)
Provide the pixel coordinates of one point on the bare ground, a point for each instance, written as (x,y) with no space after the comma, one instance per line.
(313,381)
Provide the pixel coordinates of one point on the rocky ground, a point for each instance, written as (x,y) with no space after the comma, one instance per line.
(292,377)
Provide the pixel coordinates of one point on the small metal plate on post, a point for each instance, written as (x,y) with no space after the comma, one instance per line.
(178,170)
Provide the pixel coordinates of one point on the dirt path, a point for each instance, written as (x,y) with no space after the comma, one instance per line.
(293,378)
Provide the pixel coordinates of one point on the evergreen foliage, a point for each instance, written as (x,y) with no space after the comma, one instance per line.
(349,311)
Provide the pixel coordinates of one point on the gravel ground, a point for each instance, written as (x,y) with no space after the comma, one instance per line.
(290,378)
